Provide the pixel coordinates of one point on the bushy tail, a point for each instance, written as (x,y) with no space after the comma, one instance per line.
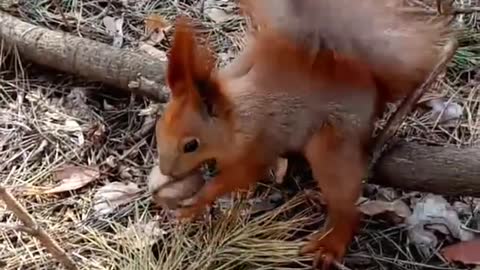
(399,48)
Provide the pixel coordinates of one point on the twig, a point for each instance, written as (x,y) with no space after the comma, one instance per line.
(202,8)
(59,7)
(340,266)
(408,103)
(35,230)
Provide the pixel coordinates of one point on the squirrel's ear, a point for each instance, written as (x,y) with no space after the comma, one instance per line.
(181,59)
(212,101)
(205,83)
(190,70)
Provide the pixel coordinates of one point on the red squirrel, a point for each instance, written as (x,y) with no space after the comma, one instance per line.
(311,81)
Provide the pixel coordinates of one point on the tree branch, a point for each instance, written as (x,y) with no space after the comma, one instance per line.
(409,102)
(32,228)
(125,69)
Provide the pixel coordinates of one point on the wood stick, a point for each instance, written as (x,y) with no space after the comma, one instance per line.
(409,102)
(35,230)
(128,70)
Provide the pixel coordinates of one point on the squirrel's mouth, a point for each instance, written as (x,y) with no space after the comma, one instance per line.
(181,176)
(207,168)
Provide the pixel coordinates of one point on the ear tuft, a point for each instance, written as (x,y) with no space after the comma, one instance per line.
(180,60)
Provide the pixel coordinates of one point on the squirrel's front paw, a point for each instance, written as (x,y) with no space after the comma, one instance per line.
(191,209)
(327,247)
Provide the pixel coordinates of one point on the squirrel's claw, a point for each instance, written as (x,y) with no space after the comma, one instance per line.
(193,210)
(326,250)
(189,213)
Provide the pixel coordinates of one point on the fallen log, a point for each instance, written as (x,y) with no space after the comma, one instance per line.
(446,170)
(128,70)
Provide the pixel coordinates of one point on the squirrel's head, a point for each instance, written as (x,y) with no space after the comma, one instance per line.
(196,122)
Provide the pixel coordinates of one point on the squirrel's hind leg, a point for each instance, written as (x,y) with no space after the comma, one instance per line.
(338,164)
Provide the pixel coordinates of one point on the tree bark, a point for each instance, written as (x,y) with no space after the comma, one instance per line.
(124,69)
(446,170)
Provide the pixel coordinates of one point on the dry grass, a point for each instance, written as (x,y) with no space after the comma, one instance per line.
(38,106)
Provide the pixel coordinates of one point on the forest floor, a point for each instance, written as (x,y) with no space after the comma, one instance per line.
(56,127)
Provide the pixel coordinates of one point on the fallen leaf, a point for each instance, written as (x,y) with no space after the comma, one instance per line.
(141,235)
(113,195)
(72,178)
(397,207)
(218,11)
(73,126)
(446,110)
(97,133)
(467,252)
(218,15)
(434,214)
(155,28)
(114,28)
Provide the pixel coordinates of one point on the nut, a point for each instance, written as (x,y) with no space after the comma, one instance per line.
(170,193)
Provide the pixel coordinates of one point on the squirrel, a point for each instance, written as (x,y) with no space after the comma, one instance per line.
(311,80)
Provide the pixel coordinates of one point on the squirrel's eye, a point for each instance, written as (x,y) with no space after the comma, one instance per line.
(191,146)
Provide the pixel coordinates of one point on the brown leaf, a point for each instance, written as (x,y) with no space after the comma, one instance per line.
(115,194)
(467,252)
(97,133)
(72,178)
(155,27)
(397,207)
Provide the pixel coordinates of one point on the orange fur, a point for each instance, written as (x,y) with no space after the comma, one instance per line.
(312,81)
